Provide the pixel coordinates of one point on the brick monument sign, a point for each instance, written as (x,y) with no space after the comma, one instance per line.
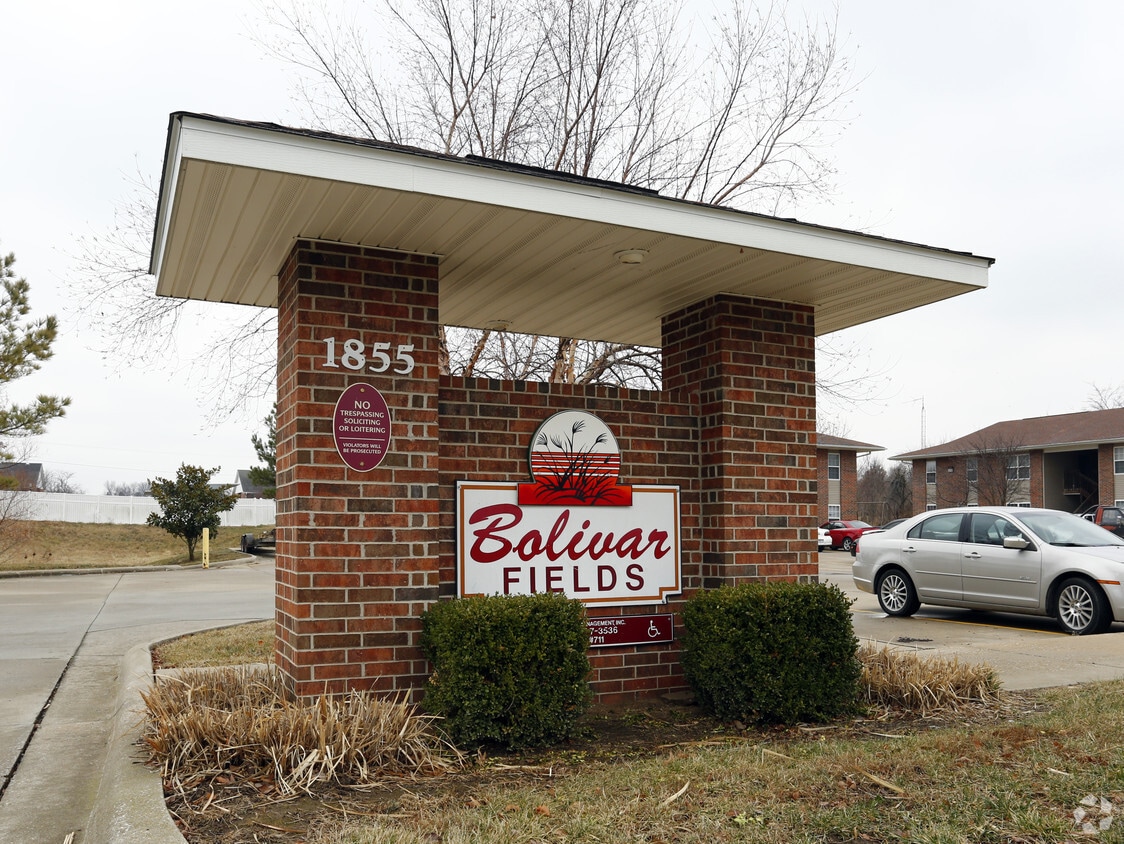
(399,485)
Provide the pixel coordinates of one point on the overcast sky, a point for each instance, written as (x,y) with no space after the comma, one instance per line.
(984,127)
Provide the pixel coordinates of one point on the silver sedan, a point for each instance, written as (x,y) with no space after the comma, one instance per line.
(1010,559)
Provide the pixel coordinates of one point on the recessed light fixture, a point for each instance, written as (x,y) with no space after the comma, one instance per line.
(632,256)
(498,324)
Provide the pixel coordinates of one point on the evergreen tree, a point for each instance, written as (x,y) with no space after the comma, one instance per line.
(190,504)
(266,476)
(23,348)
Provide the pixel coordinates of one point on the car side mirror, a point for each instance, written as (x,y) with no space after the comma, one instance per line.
(1018,543)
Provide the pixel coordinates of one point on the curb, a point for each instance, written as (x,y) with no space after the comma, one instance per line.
(124,569)
(130,807)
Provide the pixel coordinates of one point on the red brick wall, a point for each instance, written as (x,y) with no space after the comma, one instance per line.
(486,429)
(360,555)
(748,367)
(1106,477)
(357,552)
(848,484)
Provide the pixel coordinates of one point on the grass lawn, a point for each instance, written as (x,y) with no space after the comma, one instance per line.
(74,545)
(1034,768)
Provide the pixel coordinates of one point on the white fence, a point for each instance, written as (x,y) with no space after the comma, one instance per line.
(126,510)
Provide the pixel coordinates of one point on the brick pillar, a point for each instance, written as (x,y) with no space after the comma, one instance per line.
(749,367)
(357,551)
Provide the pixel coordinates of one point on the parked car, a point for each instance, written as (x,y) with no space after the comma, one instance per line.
(825,539)
(1010,559)
(845,532)
(1110,518)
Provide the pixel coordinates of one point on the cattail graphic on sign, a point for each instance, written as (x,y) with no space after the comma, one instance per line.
(574,460)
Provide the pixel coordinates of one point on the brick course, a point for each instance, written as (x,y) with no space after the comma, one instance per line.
(360,555)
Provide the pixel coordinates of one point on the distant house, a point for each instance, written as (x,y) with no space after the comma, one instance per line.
(246,488)
(837,462)
(28,477)
(1064,462)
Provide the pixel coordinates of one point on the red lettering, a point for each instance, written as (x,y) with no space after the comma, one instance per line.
(502,546)
(658,538)
(572,546)
(530,546)
(553,578)
(630,544)
(555,533)
(492,541)
(577,581)
(635,574)
(510,578)
(602,571)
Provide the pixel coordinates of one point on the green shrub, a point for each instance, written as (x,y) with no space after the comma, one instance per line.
(507,669)
(772,652)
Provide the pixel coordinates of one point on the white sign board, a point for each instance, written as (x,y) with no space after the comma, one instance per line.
(607,555)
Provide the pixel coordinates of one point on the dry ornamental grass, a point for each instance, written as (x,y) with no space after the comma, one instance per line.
(905,680)
(212,722)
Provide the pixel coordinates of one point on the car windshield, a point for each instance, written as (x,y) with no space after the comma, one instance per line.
(858,524)
(1067,529)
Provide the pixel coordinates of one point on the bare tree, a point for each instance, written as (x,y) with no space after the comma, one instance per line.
(1105,398)
(884,494)
(132,488)
(610,89)
(997,470)
(61,483)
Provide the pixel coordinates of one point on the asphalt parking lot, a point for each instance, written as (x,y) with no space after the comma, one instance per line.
(1028,652)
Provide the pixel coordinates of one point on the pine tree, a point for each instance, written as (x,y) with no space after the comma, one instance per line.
(266,476)
(24,346)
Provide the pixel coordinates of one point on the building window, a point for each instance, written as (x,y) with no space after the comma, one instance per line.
(833,466)
(834,512)
(930,506)
(1018,503)
(930,471)
(972,470)
(1118,460)
(1018,468)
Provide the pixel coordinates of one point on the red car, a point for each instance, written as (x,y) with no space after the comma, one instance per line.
(845,532)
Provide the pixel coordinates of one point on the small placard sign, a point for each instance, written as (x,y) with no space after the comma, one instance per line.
(614,631)
(361,427)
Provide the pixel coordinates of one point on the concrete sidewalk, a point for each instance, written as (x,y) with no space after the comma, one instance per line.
(73,655)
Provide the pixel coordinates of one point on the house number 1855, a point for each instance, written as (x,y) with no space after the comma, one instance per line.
(352,354)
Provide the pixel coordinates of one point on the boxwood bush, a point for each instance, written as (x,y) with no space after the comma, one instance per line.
(511,670)
(773,652)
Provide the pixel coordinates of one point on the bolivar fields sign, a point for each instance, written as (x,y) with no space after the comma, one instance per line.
(573,529)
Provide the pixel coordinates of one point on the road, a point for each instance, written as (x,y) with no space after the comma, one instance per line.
(62,643)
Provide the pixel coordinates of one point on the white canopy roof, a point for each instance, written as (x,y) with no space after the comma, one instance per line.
(535,250)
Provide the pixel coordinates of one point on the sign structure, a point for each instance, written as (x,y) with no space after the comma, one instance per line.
(586,542)
(361,427)
(613,631)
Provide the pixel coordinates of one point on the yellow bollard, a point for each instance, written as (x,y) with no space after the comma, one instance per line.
(206,548)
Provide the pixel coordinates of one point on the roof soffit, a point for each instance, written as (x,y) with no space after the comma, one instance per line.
(536,252)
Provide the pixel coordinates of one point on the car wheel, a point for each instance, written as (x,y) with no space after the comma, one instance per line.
(848,543)
(1080,607)
(896,594)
